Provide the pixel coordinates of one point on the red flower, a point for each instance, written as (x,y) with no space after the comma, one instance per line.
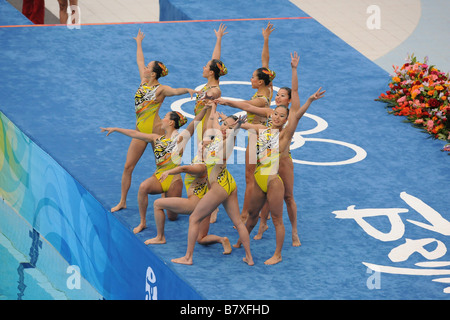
(434,103)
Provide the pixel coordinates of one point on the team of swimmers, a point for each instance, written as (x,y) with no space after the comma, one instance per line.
(208,183)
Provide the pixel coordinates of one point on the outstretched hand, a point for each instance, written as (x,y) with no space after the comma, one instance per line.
(220,101)
(210,104)
(222,115)
(163,176)
(242,119)
(221,32)
(294,60)
(268,30)
(318,95)
(109,130)
(192,92)
(140,36)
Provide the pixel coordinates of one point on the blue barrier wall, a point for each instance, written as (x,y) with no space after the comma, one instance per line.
(109,256)
(171,10)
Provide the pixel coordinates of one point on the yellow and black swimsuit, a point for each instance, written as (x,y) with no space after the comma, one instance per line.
(251,116)
(199,184)
(146,107)
(268,157)
(199,105)
(167,157)
(269,124)
(224,178)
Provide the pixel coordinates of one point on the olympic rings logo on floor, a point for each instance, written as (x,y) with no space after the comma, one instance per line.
(298,139)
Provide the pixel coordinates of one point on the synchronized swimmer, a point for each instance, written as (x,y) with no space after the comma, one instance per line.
(208,183)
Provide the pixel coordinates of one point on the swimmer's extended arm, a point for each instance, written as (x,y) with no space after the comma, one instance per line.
(245,106)
(219,34)
(265,51)
(213,122)
(294,85)
(294,117)
(196,169)
(231,137)
(169,91)
(139,53)
(251,126)
(131,133)
(189,131)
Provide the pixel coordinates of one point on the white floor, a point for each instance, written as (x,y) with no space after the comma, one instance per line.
(110,11)
(349,20)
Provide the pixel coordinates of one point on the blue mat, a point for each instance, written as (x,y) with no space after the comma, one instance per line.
(59,86)
(10,16)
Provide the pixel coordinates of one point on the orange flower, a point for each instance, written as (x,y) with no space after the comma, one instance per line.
(439,88)
(431,92)
(437,128)
(443,98)
(396,79)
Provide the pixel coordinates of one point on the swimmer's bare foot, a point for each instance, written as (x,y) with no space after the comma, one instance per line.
(213,216)
(274,260)
(248,260)
(295,240)
(226,245)
(139,228)
(120,206)
(238,244)
(182,260)
(262,228)
(156,240)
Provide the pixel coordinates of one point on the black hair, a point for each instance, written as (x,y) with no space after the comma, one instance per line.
(157,69)
(288,91)
(214,68)
(234,117)
(263,74)
(283,106)
(177,119)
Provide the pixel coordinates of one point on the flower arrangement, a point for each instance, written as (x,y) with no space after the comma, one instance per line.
(421,93)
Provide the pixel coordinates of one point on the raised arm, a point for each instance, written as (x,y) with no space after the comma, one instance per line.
(139,53)
(213,122)
(316,96)
(230,140)
(132,133)
(294,85)
(218,47)
(295,116)
(187,133)
(265,51)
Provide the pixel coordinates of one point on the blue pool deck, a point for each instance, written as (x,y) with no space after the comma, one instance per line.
(366,183)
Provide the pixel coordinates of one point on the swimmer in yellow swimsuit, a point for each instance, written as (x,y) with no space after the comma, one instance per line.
(195,180)
(168,152)
(269,184)
(222,186)
(286,169)
(261,80)
(148,99)
(212,71)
